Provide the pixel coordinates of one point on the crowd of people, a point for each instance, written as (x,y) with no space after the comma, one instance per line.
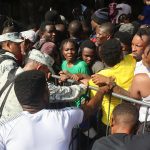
(104,49)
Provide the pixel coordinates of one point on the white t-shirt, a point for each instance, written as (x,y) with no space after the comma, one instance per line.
(57,93)
(44,130)
(143,109)
(140,68)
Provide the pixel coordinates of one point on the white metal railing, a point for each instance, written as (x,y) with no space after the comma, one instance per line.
(122,97)
(129,99)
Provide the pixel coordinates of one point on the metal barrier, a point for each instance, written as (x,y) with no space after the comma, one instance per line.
(129,99)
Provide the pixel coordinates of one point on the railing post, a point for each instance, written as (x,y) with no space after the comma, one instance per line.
(143,130)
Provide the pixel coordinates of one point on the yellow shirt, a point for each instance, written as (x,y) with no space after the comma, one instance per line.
(123,73)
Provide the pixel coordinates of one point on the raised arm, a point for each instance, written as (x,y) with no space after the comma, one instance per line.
(66,93)
(91,107)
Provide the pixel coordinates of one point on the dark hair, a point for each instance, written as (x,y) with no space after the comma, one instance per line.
(69,41)
(143,31)
(53,16)
(89,44)
(108,28)
(44,24)
(148,46)
(30,87)
(13,25)
(129,110)
(86,27)
(124,37)
(9,29)
(124,17)
(111,52)
(75,28)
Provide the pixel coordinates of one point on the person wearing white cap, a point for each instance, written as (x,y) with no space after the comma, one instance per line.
(29,38)
(29,34)
(38,127)
(9,105)
(10,54)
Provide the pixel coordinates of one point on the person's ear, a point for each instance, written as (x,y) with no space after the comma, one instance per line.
(111,121)
(8,44)
(41,33)
(108,36)
(39,67)
(48,75)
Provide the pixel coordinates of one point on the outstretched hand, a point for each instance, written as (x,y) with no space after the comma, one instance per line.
(84,81)
(101,80)
(64,75)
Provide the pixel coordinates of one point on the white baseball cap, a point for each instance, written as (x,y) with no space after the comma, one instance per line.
(29,34)
(42,58)
(12,36)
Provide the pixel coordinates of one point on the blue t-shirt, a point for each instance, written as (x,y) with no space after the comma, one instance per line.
(146,14)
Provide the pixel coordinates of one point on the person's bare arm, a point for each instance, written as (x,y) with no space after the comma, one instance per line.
(134,89)
(90,107)
(77,77)
(140,86)
(101,80)
(119,90)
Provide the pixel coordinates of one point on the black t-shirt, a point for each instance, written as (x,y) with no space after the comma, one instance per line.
(139,142)
(112,142)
